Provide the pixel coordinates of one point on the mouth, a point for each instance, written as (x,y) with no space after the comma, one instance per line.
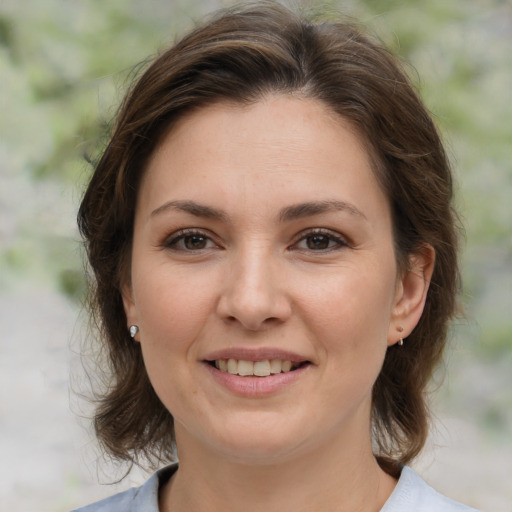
(263,368)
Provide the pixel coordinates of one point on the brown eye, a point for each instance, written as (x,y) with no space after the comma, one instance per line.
(195,242)
(318,242)
(189,241)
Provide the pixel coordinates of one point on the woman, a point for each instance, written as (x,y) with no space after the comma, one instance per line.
(274,254)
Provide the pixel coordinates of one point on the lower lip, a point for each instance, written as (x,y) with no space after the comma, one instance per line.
(256,386)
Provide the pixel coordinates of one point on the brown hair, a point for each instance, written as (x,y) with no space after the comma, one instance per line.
(240,55)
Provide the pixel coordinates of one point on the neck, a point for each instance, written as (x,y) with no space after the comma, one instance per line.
(336,479)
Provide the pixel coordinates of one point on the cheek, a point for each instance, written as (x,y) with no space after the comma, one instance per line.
(351,324)
(350,311)
(172,308)
(352,295)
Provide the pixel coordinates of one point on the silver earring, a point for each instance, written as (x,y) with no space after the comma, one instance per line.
(134,329)
(401,340)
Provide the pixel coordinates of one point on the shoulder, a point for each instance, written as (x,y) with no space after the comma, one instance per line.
(123,501)
(136,499)
(413,493)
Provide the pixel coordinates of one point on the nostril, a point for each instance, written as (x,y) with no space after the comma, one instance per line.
(253,324)
(252,305)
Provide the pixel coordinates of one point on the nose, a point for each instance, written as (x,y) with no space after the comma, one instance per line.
(254,293)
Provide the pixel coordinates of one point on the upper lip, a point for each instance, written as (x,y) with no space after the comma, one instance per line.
(260,354)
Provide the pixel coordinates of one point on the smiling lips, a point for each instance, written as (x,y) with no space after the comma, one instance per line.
(262,368)
(256,373)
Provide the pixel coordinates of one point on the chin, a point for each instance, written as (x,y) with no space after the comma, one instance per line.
(259,440)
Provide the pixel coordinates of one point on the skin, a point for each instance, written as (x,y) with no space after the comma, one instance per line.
(257,274)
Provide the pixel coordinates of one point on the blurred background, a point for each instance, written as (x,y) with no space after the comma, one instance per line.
(64,65)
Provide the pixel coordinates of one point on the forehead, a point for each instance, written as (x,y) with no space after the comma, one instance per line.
(294,119)
(281,147)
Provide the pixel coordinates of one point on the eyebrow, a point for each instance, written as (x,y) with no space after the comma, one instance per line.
(287,214)
(302,210)
(196,209)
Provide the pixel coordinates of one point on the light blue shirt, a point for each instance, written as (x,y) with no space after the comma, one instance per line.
(411,494)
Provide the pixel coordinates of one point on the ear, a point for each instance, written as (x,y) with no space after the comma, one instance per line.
(129,307)
(411,294)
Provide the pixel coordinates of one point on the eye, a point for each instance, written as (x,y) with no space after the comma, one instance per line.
(320,240)
(189,241)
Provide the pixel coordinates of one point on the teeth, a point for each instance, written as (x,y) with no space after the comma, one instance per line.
(233,366)
(286,366)
(262,368)
(245,368)
(275,366)
(249,368)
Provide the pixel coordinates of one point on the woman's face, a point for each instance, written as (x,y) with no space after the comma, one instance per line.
(262,244)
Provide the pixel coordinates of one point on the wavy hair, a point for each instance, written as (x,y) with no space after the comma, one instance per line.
(242,54)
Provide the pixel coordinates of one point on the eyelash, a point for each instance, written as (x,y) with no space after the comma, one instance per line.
(339,242)
(182,235)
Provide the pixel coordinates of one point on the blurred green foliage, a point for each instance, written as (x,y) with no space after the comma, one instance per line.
(64,65)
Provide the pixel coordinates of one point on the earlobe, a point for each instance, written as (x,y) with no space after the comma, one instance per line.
(411,294)
(129,308)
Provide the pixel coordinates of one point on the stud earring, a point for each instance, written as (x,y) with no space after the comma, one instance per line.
(134,329)
(401,340)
